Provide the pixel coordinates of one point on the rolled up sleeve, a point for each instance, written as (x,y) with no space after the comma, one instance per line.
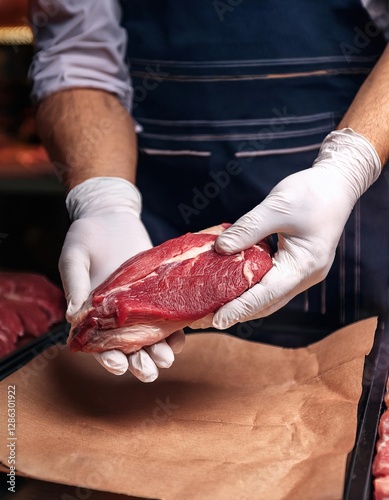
(79,43)
(379,13)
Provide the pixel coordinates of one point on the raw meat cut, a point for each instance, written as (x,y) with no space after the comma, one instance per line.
(179,283)
(29,304)
(381,488)
(381,460)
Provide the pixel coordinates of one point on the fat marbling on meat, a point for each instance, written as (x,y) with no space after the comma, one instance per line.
(179,283)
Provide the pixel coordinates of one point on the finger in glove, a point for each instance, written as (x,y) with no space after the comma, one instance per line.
(113,361)
(142,366)
(161,353)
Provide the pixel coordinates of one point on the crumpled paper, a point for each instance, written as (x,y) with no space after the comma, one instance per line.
(230,420)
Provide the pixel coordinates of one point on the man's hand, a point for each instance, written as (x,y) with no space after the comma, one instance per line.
(106,231)
(93,137)
(308,210)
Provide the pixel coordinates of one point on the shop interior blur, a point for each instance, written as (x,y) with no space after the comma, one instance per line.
(33,218)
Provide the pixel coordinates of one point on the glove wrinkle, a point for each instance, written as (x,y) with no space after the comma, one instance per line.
(106,231)
(161,353)
(308,210)
(114,361)
(142,366)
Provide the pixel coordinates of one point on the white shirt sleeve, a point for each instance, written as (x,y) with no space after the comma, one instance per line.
(81,44)
(379,13)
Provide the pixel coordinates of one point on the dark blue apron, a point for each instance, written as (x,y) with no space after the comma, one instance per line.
(233,96)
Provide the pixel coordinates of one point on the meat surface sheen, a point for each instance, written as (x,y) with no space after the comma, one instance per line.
(381,488)
(179,283)
(381,460)
(29,305)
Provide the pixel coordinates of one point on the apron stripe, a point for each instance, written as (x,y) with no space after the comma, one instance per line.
(357,257)
(268,76)
(174,152)
(230,109)
(247,154)
(323,294)
(236,137)
(255,62)
(232,123)
(342,278)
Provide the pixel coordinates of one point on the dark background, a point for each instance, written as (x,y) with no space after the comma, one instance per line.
(33,218)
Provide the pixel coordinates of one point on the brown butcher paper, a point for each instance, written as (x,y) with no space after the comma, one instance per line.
(231,419)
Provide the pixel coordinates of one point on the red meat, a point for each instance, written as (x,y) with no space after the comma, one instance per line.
(381,488)
(381,460)
(29,304)
(179,283)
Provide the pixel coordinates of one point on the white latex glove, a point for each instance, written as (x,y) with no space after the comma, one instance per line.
(107,231)
(308,210)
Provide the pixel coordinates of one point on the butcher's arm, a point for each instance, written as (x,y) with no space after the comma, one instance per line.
(82,87)
(309,209)
(369,112)
(87,133)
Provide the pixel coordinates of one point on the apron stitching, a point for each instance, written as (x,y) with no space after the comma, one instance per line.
(245,154)
(174,152)
(333,121)
(268,76)
(357,265)
(236,137)
(323,299)
(342,273)
(255,62)
(222,123)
